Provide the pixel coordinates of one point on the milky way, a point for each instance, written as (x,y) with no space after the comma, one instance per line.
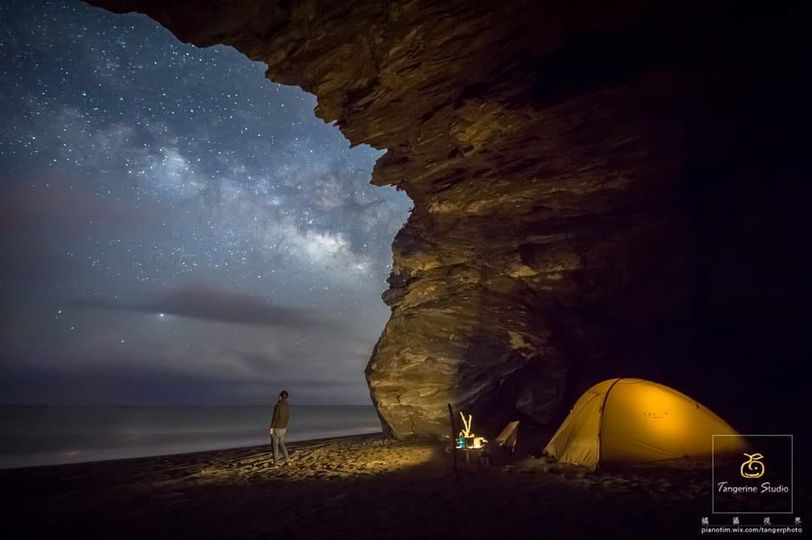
(175,227)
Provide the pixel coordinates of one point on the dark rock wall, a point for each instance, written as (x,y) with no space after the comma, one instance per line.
(600,189)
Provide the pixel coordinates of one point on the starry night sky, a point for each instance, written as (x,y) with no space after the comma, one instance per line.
(175,227)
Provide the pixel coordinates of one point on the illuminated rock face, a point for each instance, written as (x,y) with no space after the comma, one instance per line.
(581,175)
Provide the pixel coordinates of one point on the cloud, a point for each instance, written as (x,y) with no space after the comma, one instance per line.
(135,384)
(58,204)
(210,303)
(160,374)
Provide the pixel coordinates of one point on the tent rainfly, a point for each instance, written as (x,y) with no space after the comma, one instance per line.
(629,422)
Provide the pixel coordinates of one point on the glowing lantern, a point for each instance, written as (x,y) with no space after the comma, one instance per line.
(467,439)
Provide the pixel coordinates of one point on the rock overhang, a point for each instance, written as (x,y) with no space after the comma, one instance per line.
(570,167)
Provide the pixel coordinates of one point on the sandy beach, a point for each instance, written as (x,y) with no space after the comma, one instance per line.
(350,487)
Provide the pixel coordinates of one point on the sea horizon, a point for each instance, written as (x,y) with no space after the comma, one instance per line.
(41,435)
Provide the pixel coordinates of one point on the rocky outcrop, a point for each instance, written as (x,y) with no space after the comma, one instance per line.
(587,181)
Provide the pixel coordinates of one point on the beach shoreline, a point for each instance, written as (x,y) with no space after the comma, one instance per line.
(361,486)
(40,435)
(149,455)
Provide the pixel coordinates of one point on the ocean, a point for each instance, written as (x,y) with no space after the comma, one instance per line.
(48,435)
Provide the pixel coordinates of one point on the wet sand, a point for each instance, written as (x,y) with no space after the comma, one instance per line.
(350,487)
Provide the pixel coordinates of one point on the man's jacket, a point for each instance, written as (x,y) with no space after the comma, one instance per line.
(281,413)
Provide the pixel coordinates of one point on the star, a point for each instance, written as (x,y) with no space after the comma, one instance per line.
(138,166)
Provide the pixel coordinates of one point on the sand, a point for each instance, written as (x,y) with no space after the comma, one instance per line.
(350,487)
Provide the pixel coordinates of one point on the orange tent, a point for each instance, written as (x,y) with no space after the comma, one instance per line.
(637,422)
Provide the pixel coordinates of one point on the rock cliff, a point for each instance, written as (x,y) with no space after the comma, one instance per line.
(600,189)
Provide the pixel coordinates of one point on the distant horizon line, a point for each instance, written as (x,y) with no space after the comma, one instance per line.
(180,404)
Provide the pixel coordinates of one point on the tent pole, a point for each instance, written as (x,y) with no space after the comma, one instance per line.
(600,424)
(453,440)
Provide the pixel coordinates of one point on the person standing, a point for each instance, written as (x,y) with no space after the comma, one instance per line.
(279,426)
